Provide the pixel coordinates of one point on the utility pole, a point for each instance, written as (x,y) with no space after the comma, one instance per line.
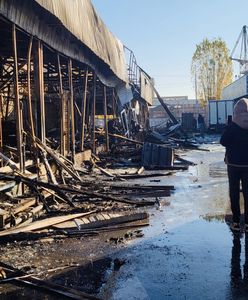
(196,85)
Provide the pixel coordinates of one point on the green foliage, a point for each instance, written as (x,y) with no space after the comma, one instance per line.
(211,69)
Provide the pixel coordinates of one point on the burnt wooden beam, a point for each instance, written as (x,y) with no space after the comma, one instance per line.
(9,77)
(58,160)
(105,108)
(40,89)
(1,127)
(7,105)
(73,139)
(83,191)
(93,117)
(62,105)
(30,111)
(49,287)
(118,136)
(83,110)
(19,130)
(114,103)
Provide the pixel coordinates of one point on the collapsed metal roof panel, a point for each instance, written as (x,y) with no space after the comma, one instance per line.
(146,87)
(68,26)
(81,19)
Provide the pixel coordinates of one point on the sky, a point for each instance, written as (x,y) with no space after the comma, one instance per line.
(163,34)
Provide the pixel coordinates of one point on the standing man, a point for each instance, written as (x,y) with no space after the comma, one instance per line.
(113,128)
(201,124)
(235,139)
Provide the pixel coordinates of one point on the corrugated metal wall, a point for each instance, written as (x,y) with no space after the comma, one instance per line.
(146,89)
(236,89)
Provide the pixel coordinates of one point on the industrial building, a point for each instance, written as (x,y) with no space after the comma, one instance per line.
(61,68)
(185,110)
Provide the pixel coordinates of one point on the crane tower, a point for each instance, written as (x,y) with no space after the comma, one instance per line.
(239,52)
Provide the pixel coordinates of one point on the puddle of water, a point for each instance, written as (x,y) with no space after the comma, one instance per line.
(199,258)
(188,250)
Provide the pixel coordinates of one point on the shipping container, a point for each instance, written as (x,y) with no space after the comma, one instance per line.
(219,112)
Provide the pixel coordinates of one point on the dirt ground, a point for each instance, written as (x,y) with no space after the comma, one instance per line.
(187,252)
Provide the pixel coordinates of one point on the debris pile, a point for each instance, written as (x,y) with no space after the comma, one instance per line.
(65,197)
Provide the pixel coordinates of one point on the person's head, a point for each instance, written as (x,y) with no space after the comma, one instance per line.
(241,106)
(240,113)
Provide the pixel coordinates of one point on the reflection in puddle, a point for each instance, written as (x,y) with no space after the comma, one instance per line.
(239,277)
(211,218)
(217,170)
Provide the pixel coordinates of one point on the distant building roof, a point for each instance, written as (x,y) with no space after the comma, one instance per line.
(177,100)
(169,98)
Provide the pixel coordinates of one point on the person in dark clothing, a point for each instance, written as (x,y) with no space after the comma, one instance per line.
(235,140)
(229,120)
(113,128)
(201,124)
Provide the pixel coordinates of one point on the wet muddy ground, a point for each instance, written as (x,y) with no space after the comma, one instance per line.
(187,252)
